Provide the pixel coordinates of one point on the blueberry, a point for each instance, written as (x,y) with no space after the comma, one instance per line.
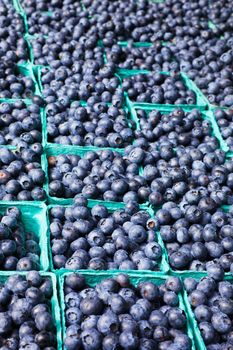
(176,318)
(190,284)
(157,318)
(161,334)
(128,341)
(73,315)
(225,289)
(207,332)
(91,339)
(75,281)
(170,298)
(110,342)
(6,322)
(174,284)
(221,322)
(149,291)
(108,322)
(90,306)
(215,270)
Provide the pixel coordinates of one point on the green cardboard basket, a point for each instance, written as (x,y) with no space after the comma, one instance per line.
(193,273)
(53,150)
(46,143)
(93,278)
(55,308)
(200,104)
(199,342)
(34,220)
(112,206)
(28,102)
(164,109)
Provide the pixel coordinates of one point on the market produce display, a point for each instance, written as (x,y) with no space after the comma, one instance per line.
(116,174)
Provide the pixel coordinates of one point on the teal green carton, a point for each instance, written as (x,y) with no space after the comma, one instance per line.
(200,101)
(200,344)
(112,206)
(34,220)
(193,273)
(94,278)
(55,308)
(164,109)
(53,151)
(46,143)
(28,102)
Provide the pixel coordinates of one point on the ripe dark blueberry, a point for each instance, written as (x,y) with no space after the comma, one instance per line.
(128,340)
(149,291)
(91,339)
(221,322)
(90,306)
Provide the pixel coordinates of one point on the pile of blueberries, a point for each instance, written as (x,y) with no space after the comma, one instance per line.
(177,127)
(26,320)
(20,124)
(21,175)
(98,125)
(89,81)
(100,239)
(211,70)
(154,58)
(64,52)
(100,174)
(12,45)
(197,235)
(114,314)
(154,172)
(159,88)
(13,84)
